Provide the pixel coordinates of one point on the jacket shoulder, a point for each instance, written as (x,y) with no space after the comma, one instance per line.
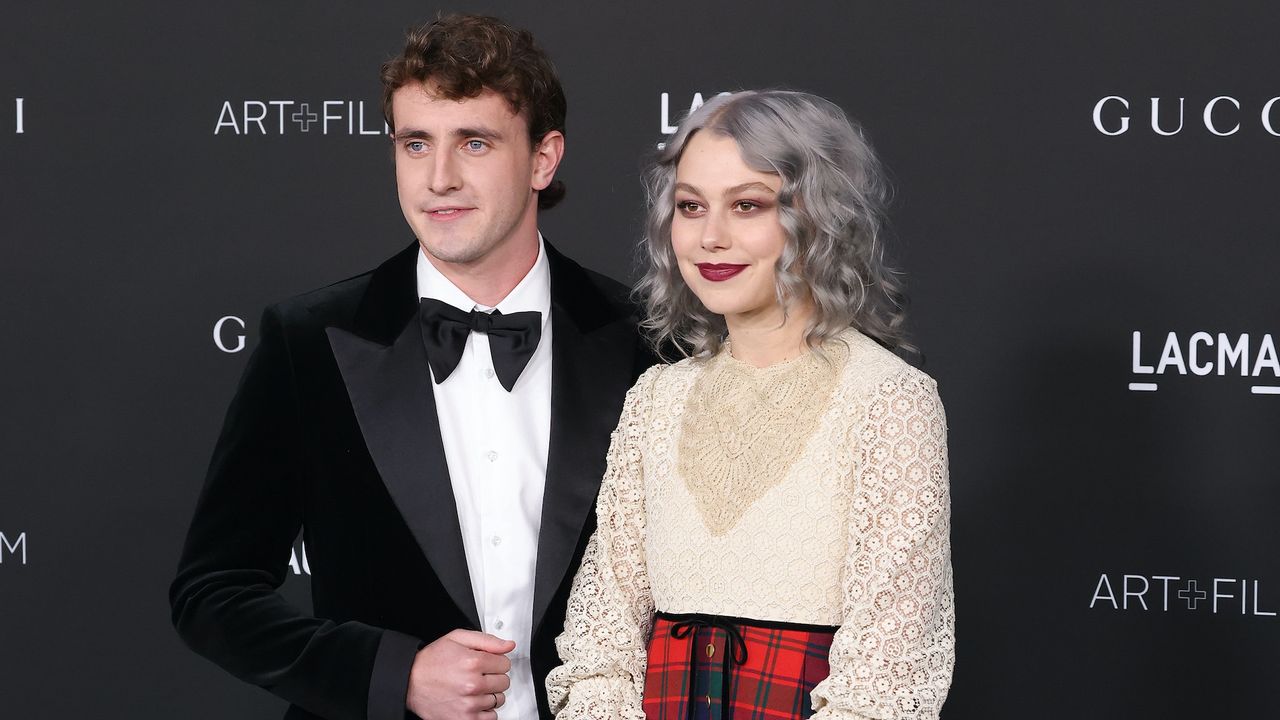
(615,293)
(591,298)
(377,302)
(334,304)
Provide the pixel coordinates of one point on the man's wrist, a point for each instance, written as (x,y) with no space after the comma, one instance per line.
(389,679)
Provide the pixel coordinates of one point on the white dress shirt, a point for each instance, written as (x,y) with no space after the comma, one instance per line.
(495,444)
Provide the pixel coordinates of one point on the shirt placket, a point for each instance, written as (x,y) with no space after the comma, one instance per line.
(483,456)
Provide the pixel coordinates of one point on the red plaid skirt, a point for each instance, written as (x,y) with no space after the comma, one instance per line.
(710,667)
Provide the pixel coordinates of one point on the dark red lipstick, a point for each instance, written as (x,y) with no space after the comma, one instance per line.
(719,272)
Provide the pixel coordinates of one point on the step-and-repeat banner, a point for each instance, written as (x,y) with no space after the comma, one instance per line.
(1085,207)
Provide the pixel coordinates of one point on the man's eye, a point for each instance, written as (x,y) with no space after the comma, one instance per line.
(415,146)
(475,145)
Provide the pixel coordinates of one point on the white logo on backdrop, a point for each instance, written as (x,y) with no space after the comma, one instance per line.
(299,566)
(1221,116)
(220,334)
(291,117)
(666,126)
(19,116)
(15,549)
(1172,593)
(1202,354)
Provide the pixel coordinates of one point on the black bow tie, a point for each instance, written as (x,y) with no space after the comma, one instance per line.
(512,338)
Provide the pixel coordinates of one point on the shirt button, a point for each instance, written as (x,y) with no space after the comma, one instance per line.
(498,625)
(488,372)
(496,541)
(492,455)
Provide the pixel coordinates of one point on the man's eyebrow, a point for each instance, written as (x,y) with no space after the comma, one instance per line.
(411,133)
(482,133)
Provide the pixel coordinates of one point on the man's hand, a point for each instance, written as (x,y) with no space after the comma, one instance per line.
(461,676)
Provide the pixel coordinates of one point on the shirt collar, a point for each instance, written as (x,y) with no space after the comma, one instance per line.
(533,292)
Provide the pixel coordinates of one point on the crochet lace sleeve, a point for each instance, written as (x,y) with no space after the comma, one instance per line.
(893,654)
(610,606)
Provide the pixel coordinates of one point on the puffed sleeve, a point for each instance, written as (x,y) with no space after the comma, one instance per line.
(610,605)
(893,655)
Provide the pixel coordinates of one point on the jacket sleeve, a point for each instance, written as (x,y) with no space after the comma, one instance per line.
(893,655)
(610,606)
(225,601)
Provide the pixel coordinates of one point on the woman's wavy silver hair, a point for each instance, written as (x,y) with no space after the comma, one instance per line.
(831,206)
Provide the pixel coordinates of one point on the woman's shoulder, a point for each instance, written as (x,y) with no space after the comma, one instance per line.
(666,375)
(871,367)
(890,393)
(665,380)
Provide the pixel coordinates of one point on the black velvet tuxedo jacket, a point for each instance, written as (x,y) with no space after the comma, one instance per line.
(333,431)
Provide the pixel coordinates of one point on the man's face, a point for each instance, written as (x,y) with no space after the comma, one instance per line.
(466,173)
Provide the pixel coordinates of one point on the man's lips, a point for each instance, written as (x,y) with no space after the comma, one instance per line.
(718,272)
(447,213)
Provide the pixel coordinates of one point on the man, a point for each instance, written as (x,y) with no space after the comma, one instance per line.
(441,456)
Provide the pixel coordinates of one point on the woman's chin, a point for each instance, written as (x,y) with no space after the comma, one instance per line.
(717,304)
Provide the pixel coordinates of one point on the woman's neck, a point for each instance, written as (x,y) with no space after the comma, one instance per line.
(768,337)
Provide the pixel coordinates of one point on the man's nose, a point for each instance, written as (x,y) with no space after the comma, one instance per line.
(445,177)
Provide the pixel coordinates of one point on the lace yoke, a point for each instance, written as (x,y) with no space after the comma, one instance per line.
(744,428)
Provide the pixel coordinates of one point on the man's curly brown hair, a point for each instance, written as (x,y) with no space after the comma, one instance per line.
(464,55)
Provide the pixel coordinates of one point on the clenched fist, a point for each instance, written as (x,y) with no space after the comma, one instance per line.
(461,676)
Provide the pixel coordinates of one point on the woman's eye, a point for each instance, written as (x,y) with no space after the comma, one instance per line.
(745,206)
(688,206)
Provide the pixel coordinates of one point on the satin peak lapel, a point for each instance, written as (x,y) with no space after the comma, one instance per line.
(390,391)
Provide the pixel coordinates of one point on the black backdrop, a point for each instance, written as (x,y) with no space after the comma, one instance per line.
(1113,494)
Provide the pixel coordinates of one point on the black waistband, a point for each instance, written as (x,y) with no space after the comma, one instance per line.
(718,620)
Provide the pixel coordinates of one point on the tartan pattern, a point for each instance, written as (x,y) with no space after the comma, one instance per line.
(683,682)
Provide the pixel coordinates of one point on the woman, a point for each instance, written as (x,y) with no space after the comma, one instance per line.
(773,524)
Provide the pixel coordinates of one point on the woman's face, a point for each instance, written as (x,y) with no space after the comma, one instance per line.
(726,231)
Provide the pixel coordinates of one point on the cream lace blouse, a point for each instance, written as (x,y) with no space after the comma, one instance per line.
(812,491)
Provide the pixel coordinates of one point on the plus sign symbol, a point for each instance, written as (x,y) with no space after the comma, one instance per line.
(1192,595)
(304,117)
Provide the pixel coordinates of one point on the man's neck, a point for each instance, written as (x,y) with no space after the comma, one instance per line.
(491,278)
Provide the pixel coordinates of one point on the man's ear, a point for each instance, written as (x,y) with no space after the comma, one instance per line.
(546,158)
